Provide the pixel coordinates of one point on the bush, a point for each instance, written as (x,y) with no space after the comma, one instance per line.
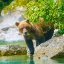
(50,10)
(4,3)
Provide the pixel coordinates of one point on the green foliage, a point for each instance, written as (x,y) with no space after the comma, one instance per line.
(14,4)
(50,10)
(61,28)
(4,3)
(61,31)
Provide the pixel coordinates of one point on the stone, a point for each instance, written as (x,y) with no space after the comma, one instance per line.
(51,48)
(8,31)
(9,50)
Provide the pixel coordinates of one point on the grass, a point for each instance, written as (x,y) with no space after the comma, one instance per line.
(13,43)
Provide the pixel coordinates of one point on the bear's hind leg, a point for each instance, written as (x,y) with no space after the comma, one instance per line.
(40,40)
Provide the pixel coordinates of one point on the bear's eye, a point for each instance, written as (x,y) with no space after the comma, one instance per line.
(27,27)
(21,29)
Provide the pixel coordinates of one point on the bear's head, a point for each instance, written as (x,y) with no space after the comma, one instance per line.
(24,27)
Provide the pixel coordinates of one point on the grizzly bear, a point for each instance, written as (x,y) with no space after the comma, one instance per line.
(40,32)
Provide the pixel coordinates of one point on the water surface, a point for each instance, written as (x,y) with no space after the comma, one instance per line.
(23,59)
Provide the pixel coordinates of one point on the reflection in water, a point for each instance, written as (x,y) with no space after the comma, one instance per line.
(31,61)
(59,60)
(28,60)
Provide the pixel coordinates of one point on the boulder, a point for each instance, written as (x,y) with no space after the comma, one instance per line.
(8,30)
(9,50)
(51,48)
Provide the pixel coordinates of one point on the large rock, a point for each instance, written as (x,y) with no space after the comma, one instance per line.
(1,19)
(8,31)
(9,50)
(51,48)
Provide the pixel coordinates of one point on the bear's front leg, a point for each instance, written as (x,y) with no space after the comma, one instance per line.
(30,46)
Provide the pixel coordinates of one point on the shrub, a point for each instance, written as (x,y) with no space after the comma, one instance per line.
(50,10)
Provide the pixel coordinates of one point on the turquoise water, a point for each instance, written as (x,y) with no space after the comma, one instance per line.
(23,59)
(27,60)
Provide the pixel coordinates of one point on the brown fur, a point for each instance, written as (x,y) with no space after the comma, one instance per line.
(39,28)
(40,31)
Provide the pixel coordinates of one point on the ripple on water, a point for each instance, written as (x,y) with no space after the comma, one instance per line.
(26,60)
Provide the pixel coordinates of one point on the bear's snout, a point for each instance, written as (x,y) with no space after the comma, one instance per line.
(24,31)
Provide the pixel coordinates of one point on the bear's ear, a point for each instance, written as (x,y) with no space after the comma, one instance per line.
(27,21)
(41,19)
(17,23)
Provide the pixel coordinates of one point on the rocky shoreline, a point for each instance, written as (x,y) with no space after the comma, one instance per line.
(53,48)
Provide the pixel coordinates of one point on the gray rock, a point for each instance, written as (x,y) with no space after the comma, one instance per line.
(51,48)
(8,30)
(1,19)
(10,34)
(9,50)
(5,28)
